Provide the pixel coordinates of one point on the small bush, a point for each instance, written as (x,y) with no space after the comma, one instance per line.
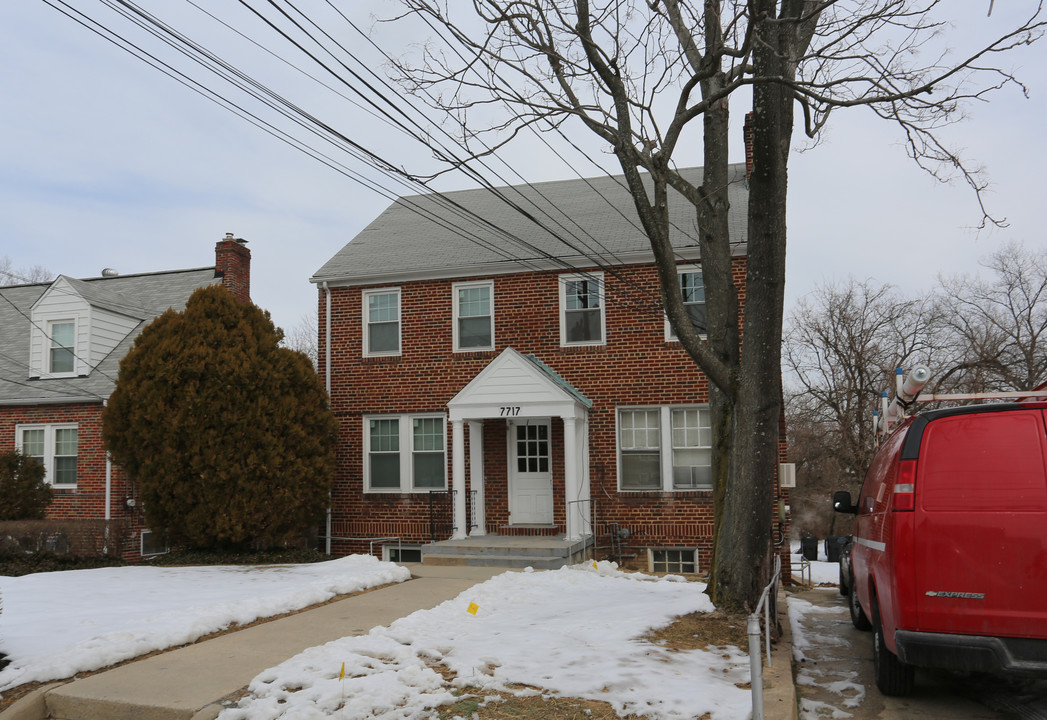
(23,493)
(75,538)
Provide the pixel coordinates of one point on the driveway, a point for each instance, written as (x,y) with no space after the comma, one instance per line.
(834,675)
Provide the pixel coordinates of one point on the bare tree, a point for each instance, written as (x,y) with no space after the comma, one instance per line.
(998,326)
(303,336)
(9,275)
(638,75)
(842,346)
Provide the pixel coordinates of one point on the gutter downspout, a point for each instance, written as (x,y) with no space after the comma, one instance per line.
(108,492)
(327,384)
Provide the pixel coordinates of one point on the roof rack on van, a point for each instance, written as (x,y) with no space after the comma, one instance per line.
(908,392)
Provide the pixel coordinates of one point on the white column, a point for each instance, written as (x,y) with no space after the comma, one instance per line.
(476,477)
(570,458)
(585,508)
(458,479)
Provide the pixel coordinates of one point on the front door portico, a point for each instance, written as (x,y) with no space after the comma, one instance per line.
(529,396)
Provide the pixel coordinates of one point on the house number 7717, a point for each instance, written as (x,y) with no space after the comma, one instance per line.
(510,411)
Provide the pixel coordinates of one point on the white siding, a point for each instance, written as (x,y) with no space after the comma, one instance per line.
(107,329)
(59,302)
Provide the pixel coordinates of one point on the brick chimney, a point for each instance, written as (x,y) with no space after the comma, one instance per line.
(233,265)
(747,132)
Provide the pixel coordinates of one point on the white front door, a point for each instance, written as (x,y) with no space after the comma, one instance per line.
(530,473)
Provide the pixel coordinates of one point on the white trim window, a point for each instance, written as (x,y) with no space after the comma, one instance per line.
(56,446)
(664,449)
(154,543)
(381,322)
(672,560)
(405,453)
(582,318)
(61,350)
(693,288)
(473,316)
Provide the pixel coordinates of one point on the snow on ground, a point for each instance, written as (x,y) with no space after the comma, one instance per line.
(571,632)
(822,572)
(57,624)
(811,627)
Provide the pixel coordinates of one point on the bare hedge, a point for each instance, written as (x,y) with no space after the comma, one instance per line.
(78,538)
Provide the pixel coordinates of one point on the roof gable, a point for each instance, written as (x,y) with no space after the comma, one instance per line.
(515,385)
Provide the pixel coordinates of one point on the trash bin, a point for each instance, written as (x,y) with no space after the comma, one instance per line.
(809,547)
(833,545)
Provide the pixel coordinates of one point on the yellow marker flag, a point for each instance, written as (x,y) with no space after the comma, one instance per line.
(473,607)
(595,566)
(341,675)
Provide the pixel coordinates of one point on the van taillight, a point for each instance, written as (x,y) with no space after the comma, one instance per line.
(905,486)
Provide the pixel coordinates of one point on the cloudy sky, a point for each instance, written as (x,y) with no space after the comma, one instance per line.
(107,162)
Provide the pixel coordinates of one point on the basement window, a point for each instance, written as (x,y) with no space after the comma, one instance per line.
(402,553)
(673,560)
(154,543)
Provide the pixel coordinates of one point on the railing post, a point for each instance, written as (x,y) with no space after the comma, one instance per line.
(755,666)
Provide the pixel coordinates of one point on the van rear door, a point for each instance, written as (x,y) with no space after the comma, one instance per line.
(981,523)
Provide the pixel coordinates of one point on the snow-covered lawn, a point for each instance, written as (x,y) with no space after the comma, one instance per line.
(573,632)
(57,624)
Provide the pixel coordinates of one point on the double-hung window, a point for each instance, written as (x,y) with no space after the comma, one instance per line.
(639,443)
(474,316)
(693,288)
(381,320)
(405,453)
(664,449)
(62,341)
(582,319)
(53,445)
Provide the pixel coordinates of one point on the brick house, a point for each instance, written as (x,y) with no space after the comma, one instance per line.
(504,387)
(62,345)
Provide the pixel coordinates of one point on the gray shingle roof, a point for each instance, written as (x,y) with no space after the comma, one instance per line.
(440,236)
(144,296)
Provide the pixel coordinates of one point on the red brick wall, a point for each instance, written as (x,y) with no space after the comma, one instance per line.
(233,265)
(87,500)
(635,367)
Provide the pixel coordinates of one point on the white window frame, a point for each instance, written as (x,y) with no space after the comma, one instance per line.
(670,336)
(665,447)
(49,346)
(366,322)
(50,440)
(456,306)
(398,549)
(693,552)
(141,548)
(405,451)
(601,294)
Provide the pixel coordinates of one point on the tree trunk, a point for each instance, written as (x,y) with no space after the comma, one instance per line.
(744,534)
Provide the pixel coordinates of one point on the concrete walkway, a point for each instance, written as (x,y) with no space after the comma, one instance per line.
(191,682)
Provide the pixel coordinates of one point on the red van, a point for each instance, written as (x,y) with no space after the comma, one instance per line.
(950,544)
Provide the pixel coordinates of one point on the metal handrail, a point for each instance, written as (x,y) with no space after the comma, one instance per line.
(753,628)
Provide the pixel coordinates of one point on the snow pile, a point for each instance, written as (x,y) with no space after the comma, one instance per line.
(57,624)
(571,632)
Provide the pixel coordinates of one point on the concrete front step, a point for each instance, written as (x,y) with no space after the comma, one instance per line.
(538,562)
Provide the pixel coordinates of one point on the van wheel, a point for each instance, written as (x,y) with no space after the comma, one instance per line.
(858,617)
(893,677)
(844,589)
